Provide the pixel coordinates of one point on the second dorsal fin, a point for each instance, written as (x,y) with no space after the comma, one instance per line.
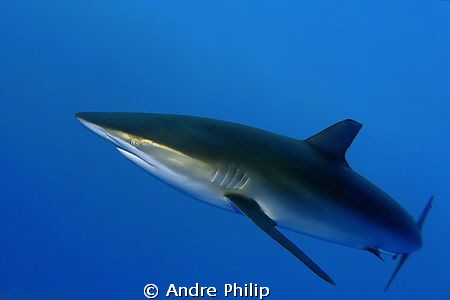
(335,140)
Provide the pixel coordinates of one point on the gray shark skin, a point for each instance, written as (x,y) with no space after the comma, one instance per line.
(305,186)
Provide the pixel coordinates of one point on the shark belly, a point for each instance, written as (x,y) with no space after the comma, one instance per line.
(318,219)
(315,216)
(326,218)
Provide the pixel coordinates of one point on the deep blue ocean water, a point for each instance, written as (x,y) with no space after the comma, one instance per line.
(78,221)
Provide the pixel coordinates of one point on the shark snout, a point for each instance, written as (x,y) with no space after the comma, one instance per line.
(129,123)
(93,124)
(90,119)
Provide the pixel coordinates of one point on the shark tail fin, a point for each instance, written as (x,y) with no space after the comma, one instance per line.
(403,257)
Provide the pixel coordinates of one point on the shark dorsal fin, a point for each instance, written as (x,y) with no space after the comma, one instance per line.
(335,140)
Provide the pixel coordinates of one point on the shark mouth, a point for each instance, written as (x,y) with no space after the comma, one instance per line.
(133,157)
(119,145)
(137,160)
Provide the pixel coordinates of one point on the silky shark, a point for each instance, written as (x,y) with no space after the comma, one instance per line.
(305,186)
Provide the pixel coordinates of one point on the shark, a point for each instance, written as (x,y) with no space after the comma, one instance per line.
(303,185)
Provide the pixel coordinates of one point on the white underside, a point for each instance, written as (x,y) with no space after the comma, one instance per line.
(199,190)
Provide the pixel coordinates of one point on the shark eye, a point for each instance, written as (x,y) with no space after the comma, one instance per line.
(134,142)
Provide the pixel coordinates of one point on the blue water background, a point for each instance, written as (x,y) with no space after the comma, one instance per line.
(78,221)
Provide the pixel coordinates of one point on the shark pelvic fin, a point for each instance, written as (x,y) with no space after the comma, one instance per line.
(376,252)
(253,211)
(404,256)
(335,140)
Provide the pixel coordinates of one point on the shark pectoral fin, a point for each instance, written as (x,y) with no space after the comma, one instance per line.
(253,211)
(334,141)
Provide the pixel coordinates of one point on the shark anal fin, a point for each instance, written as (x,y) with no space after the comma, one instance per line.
(334,141)
(253,211)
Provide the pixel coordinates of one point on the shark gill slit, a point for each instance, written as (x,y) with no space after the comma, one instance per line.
(215,173)
(227,169)
(245,183)
(242,182)
(230,176)
(233,181)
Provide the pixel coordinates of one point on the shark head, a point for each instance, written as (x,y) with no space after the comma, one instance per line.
(163,145)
